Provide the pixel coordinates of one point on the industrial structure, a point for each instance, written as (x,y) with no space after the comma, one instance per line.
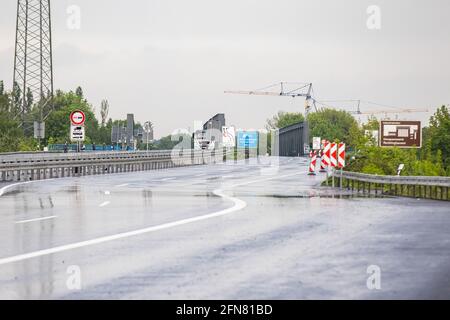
(291,140)
(127,135)
(211,134)
(293,90)
(33,62)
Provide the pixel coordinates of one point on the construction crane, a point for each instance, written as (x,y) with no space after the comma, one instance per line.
(386,112)
(305,90)
(390,111)
(281,90)
(393,110)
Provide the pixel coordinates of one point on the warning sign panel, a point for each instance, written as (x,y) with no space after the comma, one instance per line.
(401,134)
(77,133)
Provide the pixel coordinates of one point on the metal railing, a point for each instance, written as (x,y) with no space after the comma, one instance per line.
(407,186)
(38,166)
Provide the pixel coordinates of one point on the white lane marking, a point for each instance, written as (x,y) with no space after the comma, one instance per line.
(107,193)
(6,188)
(166,179)
(238,205)
(123,185)
(104,204)
(201,175)
(35,220)
(227,177)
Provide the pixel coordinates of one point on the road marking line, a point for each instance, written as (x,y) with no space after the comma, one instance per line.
(123,185)
(238,205)
(6,188)
(104,204)
(201,175)
(166,179)
(35,220)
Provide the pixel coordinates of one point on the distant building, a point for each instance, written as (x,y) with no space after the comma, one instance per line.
(143,136)
(211,135)
(130,129)
(129,136)
(291,141)
(216,122)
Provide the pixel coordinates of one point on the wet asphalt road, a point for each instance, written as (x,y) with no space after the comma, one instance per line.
(230,231)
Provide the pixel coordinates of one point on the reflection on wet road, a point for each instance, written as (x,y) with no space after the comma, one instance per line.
(258,230)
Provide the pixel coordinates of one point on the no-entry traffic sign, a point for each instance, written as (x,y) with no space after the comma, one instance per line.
(77,118)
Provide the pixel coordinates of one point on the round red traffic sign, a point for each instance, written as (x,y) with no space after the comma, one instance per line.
(78,118)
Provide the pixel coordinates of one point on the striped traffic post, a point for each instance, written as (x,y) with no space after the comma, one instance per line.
(341,155)
(341,161)
(325,163)
(312,165)
(333,155)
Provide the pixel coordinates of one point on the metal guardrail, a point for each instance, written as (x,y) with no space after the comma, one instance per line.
(404,180)
(409,186)
(49,156)
(38,166)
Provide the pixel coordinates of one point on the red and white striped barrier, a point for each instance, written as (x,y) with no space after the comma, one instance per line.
(312,165)
(341,155)
(333,155)
(325,157)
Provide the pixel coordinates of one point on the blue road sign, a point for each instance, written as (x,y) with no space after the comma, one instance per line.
(247,139)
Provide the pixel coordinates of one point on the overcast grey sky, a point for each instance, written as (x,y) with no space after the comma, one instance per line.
(169,61)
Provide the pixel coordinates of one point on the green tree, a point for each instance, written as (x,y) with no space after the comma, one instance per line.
(79,92)
(335,125)
(4,99)
(10,133)
(284,119)
(104,111)
(372,124)
(58,124)
(169,142)
(30,101)
(437,137)
(16,99)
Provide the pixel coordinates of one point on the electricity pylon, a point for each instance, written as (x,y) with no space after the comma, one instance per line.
(33,62)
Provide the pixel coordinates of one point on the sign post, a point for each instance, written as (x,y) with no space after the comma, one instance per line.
(229,137)
(39,131)
(317,143)
(247,139)
(341,160)
(401,134)
(77,130)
